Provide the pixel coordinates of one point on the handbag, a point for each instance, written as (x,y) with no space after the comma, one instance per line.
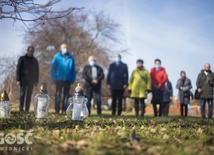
(197,94)
(187,94)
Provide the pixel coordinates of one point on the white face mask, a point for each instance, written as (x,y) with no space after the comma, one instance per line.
(64,51)
(157,67)
(118,59)
(92,63)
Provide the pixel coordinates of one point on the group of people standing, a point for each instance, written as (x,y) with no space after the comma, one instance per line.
(140,83)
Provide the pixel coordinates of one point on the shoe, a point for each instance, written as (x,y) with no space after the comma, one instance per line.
(142,115)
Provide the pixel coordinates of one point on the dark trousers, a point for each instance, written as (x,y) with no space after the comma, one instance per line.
(203,107)
(65,85)
(142,106)
(157,112)
(97,91)
(117,95)
(165,111)
(157,98)
(25,88)
(183,108)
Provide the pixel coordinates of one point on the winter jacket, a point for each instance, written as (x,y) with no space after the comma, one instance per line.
(206,83)
(27,69)
(117,76)
(158,77)
(168,92)
(87,76)
(63,68)
(140,82)
(184,94)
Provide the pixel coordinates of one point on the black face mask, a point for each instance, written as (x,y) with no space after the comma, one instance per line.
(140,67)
(183,77)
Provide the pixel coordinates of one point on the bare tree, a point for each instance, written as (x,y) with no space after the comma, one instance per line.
(86,33)
(7,72)
(17,9)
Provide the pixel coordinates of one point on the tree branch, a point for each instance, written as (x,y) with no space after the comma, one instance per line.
(13,9)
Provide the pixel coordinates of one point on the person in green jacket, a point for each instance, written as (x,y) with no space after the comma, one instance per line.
(139,85)
(205,85)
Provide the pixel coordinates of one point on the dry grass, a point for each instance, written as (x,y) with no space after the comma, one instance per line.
(112,135)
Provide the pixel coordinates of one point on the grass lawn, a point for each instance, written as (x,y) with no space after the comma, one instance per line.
(108,135)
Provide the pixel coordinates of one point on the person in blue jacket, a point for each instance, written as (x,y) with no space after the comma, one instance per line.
(63,74)
(117,82)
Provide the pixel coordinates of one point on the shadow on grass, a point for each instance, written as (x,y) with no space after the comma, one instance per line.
(26,121)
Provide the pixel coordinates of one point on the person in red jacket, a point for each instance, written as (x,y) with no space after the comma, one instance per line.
(159,78)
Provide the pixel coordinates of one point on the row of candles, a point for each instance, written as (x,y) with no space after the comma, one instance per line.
(77,109)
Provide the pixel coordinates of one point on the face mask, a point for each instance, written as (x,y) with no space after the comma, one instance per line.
(64,51)
(157,67)
(92,63)
(139,67)
(118,59)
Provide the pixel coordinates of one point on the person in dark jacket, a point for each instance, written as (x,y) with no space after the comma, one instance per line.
(63,74)
(117,82)
(167,97)
(205,84)
(184,86)
(27,76)
(93,76)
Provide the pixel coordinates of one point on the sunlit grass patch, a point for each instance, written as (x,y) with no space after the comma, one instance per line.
(113,135)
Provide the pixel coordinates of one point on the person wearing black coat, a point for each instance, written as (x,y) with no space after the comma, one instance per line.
(205,84)
(117,81)
(27,75)
(167,98)
(93,76)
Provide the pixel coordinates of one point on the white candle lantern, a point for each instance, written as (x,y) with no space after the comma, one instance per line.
(77,110)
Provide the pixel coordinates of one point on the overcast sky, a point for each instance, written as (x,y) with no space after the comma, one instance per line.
(179,32)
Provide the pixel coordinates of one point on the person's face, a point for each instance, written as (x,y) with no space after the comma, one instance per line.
(157,63)
(117,58)
(30,51)
(207,67)
(92,61)
(139,65)
(183,75)
(63,46)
